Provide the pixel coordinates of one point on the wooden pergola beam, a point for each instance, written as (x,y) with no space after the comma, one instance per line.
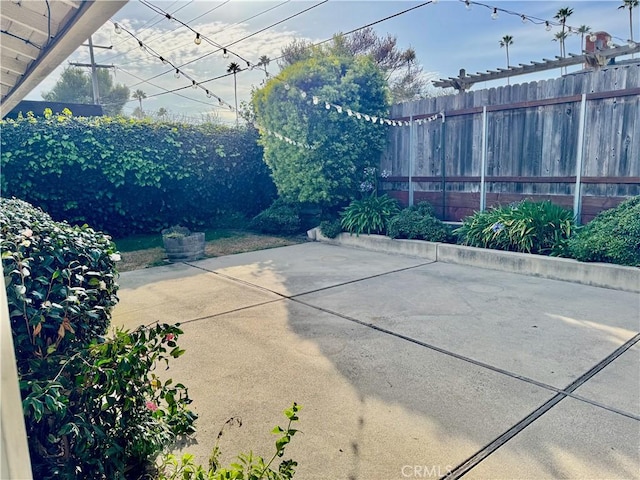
(595,60)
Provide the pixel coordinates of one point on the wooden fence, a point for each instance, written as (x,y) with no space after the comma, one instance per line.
(574,140)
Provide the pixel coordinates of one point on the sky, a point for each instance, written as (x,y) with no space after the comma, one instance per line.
(445,35)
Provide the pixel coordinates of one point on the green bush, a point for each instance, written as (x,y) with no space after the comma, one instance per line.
(280,218)
(60,281)
(126,176)
(531,227)
(331,228)
(417,222)
(369,214)
(613,236)
(93,407)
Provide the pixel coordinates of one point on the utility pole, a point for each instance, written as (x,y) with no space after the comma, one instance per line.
(94,68)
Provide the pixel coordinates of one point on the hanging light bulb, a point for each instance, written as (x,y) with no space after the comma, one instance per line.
(249,65)
(547,26)
(141,45)
(494,15)
(194,85)
(303,94)
(286,86)
(177,74)
(327,105)
(315,100)
(592,37)
(467,4)
(208,93)
(117,28)
(524,18)
(197,40)
(225,54)
(219,101)
(163,60)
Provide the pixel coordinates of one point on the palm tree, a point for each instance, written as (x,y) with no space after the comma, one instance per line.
(561,37)
(162,113)
(505,42)
(583,30)
(562,16)
(630,4)
(234,68)
(139,95)
(263,61)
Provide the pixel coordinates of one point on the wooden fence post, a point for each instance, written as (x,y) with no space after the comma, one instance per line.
(577,193)
(411,158)
(483,162)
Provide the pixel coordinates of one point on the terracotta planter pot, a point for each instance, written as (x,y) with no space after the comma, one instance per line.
(184,248)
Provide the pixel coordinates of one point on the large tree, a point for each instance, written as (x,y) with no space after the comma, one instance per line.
(293,108)
(405,78)
(75,86)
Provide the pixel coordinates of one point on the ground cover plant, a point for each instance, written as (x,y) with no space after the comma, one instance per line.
(418,222)
(526,226)
(613,236)
(246,467)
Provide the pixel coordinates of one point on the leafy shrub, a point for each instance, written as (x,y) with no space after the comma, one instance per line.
(127,176)
(60,281)
(280,218)
(531,227)
(418,222)
(613,236)
(247,467)
(331,228)
(369,214)
(92,406)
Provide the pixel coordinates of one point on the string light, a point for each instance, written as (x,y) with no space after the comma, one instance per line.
(197,40)
(194,84)
(208,93)
(117,28)
(177,74)
(163,60)
(548,24)
(141,45)
(225,54)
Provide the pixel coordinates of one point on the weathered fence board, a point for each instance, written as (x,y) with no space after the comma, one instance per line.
(531,144)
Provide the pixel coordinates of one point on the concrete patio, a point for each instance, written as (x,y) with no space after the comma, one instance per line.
(405,368)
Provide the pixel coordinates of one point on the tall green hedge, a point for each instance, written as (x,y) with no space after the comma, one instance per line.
(127,176)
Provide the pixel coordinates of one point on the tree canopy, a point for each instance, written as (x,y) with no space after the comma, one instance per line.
(406,79)
(341,146)
(74,85)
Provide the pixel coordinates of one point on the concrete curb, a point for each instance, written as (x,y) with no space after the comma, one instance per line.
(604,275)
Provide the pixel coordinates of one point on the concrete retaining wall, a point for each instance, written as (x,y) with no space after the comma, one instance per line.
(596,274)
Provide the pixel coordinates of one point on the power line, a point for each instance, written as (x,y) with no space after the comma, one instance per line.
(216,33)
